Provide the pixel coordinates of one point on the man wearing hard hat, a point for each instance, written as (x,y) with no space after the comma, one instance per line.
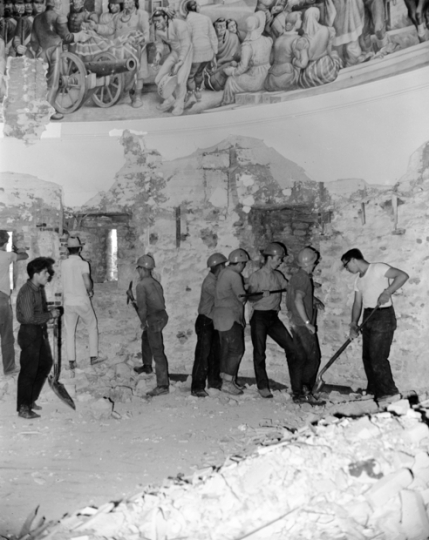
(154,318)
(77,294)
(301,304)
(228,319)
(207,351)
(6,316)
(265,318)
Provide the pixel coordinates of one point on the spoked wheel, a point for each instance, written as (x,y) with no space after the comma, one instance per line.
(109,94)
(72,87)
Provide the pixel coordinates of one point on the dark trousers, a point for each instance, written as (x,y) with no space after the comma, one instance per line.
(263,324)
(6,334)
(195,79)
(36,363)
(231,351)
(305,362)
(207,355)
(153,347)
(377,337)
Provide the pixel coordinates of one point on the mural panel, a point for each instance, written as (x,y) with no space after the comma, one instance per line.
(111,60)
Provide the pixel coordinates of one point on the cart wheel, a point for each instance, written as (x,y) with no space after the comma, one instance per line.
(107,95)
(72,87)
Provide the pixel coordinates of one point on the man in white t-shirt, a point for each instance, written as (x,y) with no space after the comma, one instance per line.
(374,286)
(6,316)
(77,294)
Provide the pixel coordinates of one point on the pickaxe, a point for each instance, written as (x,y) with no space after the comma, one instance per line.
(130,297)
(247,295)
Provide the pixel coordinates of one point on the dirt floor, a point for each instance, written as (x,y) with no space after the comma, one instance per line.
(67,460)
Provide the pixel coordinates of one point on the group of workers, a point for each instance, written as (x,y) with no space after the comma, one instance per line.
(219,325)
(220,322)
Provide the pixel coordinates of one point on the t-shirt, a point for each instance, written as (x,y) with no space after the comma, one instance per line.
(74,290)
(6,259)
(300,281)
(372,284)
(266,279)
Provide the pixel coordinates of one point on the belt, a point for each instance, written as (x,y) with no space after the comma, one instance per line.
(386,307)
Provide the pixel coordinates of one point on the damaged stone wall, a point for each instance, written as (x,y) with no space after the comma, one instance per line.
(182,211)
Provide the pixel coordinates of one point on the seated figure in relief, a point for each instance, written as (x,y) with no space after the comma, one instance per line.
(323,62)
(250,74)
(289,56)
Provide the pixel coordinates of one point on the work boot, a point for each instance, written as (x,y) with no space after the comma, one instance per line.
(97,360)
(239,385)
(300,399)
(265,392)
(199,393)
(143,369)
(230,388)
(385,401)
(25,412)
(158,391)
(35,407)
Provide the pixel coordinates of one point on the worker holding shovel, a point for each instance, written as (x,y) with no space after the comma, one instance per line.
(374,286)
(265,321)
(36,357)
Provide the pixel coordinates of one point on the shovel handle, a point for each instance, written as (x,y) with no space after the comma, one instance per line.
(319,380)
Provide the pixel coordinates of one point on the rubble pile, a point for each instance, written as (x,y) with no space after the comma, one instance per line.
(342,478)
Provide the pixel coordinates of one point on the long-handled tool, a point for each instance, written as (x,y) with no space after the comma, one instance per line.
(130,297)
(319,380)
(248,295)
(58,388)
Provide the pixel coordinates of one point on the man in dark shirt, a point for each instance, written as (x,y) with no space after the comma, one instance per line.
(36,358)
(301,303)
(207,351)
(154,318)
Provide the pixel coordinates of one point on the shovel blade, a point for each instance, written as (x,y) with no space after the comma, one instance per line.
(60,390)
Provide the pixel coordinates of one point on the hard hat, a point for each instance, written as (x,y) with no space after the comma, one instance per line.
(275,249)
(215,259)
(74,242)
(146,261)
(4,237)
(238,255)
(307,255)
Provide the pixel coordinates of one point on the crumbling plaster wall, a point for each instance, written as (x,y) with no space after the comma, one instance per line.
(184,210)
(216,189)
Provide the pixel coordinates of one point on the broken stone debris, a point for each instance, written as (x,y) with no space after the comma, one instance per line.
(339,479)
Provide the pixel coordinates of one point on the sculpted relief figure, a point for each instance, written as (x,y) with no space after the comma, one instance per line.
(175,34)
(228,54)
(323,62)
(250,73)
(204,49)
(289,56)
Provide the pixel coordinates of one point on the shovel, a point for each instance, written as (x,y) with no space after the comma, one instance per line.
(248,295)
(319,380)
(53,380)
(130,297)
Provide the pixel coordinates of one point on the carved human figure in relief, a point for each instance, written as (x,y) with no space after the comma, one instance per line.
(250,74)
